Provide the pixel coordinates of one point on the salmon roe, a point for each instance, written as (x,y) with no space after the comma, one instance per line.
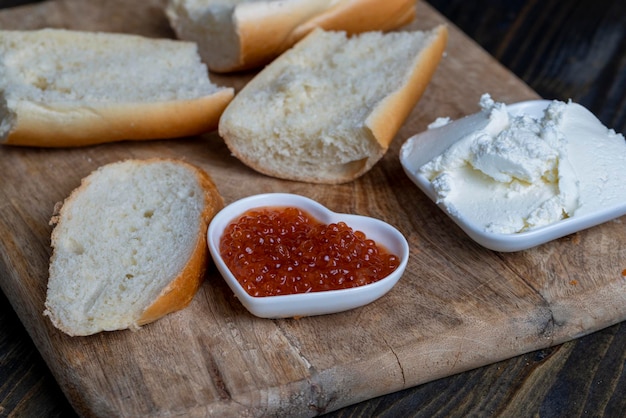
(284,250)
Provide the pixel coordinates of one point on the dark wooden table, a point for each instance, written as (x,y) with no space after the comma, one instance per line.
(563,50)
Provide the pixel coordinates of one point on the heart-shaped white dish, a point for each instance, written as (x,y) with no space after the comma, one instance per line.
(313,303)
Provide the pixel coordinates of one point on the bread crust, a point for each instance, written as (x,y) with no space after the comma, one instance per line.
(74,125)
(387,118)
(356,16)
(263,30)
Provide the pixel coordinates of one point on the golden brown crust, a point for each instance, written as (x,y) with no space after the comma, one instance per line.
(359,16)
(264,33)
(50,125)
(390,114)
(264,30)
(179,293)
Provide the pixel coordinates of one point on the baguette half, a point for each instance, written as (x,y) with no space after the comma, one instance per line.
(129,245)
(235,35)
(327,110)
(62,88)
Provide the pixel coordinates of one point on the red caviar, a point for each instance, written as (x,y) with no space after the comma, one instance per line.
(284,250)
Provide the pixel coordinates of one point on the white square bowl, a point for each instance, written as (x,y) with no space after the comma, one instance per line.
(423,147)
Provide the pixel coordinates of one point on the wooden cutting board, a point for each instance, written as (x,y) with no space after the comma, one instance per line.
(458,306)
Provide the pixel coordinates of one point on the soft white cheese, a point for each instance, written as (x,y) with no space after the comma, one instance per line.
(519,172)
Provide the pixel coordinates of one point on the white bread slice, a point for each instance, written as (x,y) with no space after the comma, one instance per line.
(235,35)
(71,88)
(129,245)
(327,110)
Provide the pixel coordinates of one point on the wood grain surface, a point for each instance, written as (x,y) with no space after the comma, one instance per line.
(458,307)
(565,50)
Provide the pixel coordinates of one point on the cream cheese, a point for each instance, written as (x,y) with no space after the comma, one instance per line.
(519,172)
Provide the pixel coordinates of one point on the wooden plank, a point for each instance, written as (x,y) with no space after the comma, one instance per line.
(457,307)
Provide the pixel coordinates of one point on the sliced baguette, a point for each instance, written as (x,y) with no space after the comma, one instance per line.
(61,88)
(235,35)
(327,110)
(129,245)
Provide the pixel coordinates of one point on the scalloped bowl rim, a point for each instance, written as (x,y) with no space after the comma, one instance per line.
(313,303)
